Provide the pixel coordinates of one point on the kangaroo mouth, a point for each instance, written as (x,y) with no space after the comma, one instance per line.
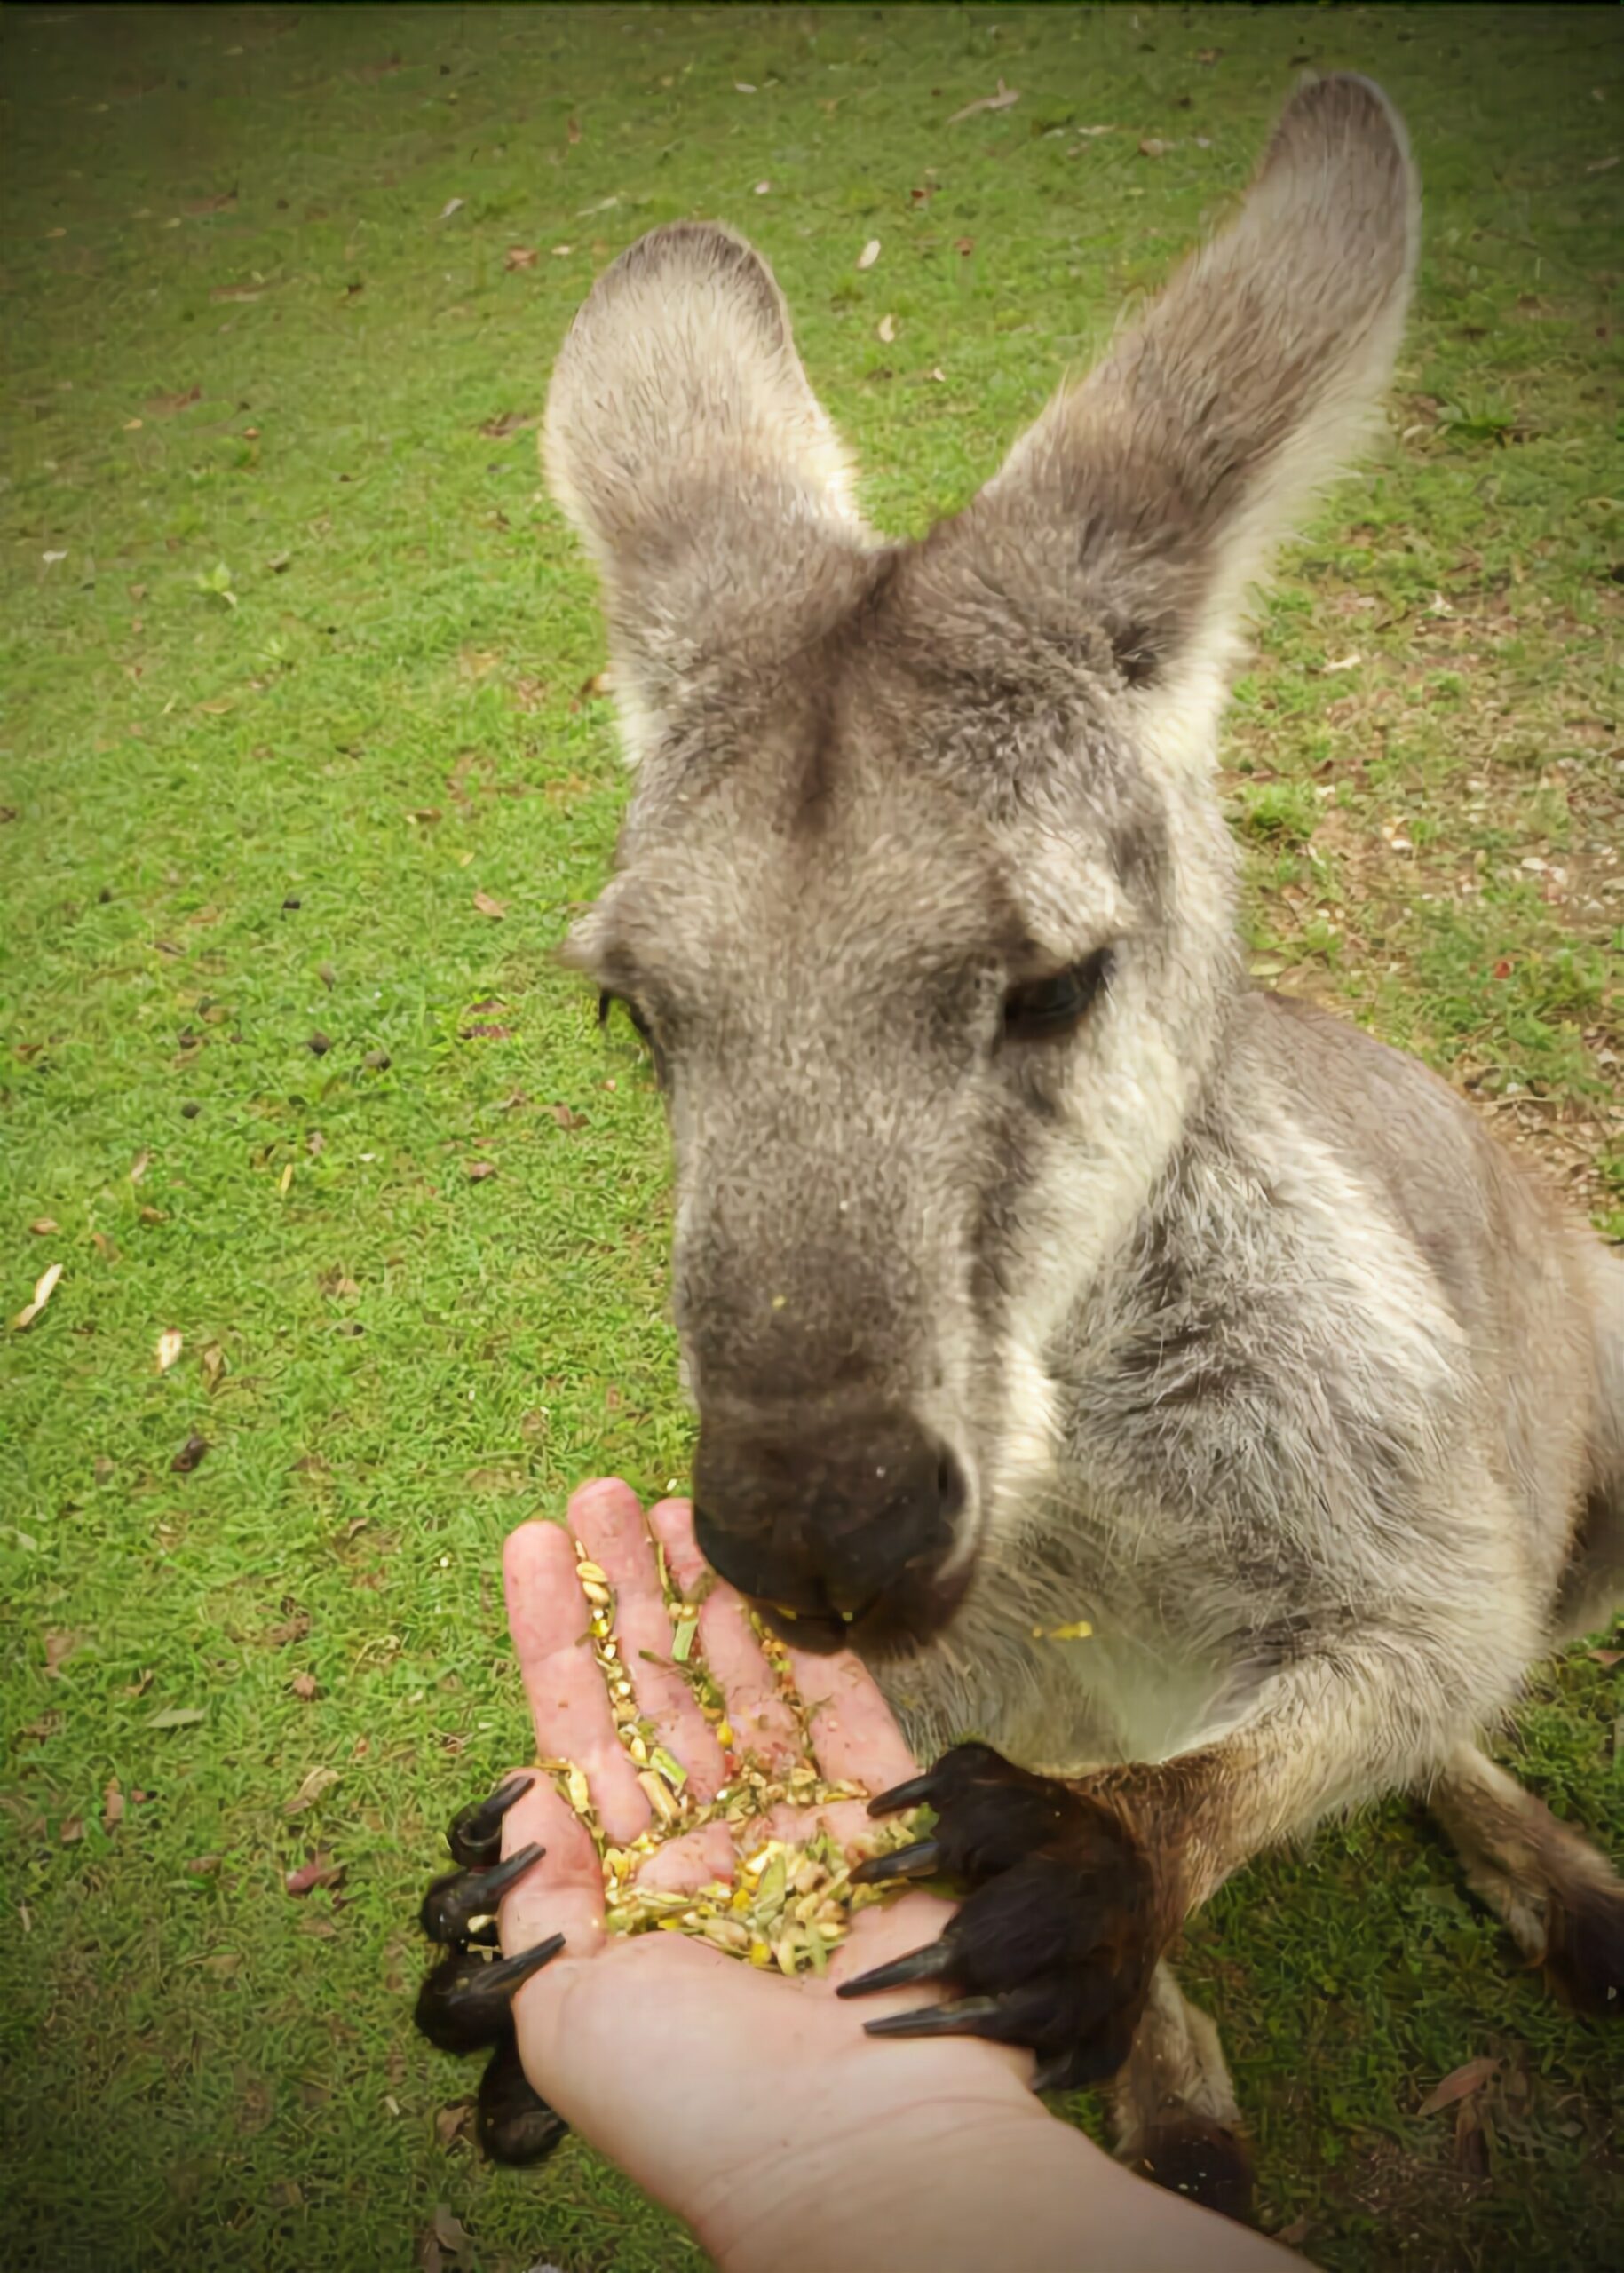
(905,1618)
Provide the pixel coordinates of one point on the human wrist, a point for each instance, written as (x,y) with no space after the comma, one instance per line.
(930,2180)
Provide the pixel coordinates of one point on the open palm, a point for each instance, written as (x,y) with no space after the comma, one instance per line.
(698,2074)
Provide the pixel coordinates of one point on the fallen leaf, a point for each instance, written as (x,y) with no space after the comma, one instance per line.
(1152,148)
(940,375)
(169,1346)
(566,1119)
(236,292)
(594,689)
(152,1216)
(139,1687)
(521,257)
(202,1866)
(1342,663)
(486,905)
(763,189)
(999,101)
(478,1170)
(104,1247)
(1504,968)
(139,1166)
(305,1686)
(741,87)
(45,1287)
(562,252)
(886,330)
(176,1716)
(495,430)
(448,2229)
(189,1455)
(164,406)
(452,205)
(43,1226)
(319,1780)
(454,2122)
(320,1872)
(1601,165)
(51,559)
(572,131)
(72,1831)
(1208,54)
(213,1361)
(869,254)
(59,1649)
(1606,1658)
(483,1031)
(963,247)
(112,1807)
(1459,2084)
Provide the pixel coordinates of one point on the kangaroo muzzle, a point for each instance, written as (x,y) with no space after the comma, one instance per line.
(827,1514)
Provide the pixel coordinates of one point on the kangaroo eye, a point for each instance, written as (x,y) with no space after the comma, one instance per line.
(1045,1009)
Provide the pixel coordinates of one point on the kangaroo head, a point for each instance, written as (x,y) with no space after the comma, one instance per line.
(923,896)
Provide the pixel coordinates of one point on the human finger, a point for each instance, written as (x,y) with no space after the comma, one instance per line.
(761,1721)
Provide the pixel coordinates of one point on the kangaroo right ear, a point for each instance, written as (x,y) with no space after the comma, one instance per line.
(686,445)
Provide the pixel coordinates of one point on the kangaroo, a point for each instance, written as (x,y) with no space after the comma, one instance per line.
(1032,1266)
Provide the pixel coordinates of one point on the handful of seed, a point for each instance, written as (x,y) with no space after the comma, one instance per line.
(790,1902)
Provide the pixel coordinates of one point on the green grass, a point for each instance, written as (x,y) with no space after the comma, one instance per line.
(312,670)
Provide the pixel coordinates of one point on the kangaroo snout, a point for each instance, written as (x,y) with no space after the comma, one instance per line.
(827,1514)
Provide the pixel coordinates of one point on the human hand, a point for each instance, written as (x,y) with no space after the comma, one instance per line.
(737,2097)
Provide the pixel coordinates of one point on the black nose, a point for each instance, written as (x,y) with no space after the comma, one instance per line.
(825,1512)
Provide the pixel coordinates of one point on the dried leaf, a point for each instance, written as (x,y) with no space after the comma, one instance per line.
(212,1360)
(482,1030)
(202,1866)
(72,1831)
(319,1780)
(164,406)
(170,1344)
(449,2231)
(869,254)
(189,1455)
(140,1165)
(478,1170)
(763,189)
(886,330)
(112,1807)
(45,1287)
(43,1226)
(1459,2084)
(454,2122)
(59,1649)
(999,101)
(305,1686)
(1606,1658)
(176,1716)
(521,257)
(322,1871)
(572,131)
(1152,148)
(486,905)
(452,205)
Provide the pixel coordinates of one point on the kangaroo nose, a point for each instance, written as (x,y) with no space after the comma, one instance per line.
(824,1514)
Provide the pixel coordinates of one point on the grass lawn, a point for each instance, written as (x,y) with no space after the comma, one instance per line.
(302,769)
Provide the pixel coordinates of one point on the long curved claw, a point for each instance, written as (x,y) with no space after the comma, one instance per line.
(915,1793)
(464,2003)
(513,2122)
(928,1964)
(475,1836)
(455,1904)
(918,1860)
(962,2016)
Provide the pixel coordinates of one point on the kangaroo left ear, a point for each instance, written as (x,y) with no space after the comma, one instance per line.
(1144,501)
(684,442)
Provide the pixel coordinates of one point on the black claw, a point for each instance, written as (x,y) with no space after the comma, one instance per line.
(928,1964)
(917,1861)
(514,2124)
(464,2003)
(475,1836)
(961,2017)
(454,1906)
(913,1794)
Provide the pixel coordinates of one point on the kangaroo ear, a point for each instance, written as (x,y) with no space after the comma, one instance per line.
(684,444)
(1146,499)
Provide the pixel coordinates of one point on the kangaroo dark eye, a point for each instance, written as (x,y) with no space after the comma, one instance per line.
(1045,1009)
